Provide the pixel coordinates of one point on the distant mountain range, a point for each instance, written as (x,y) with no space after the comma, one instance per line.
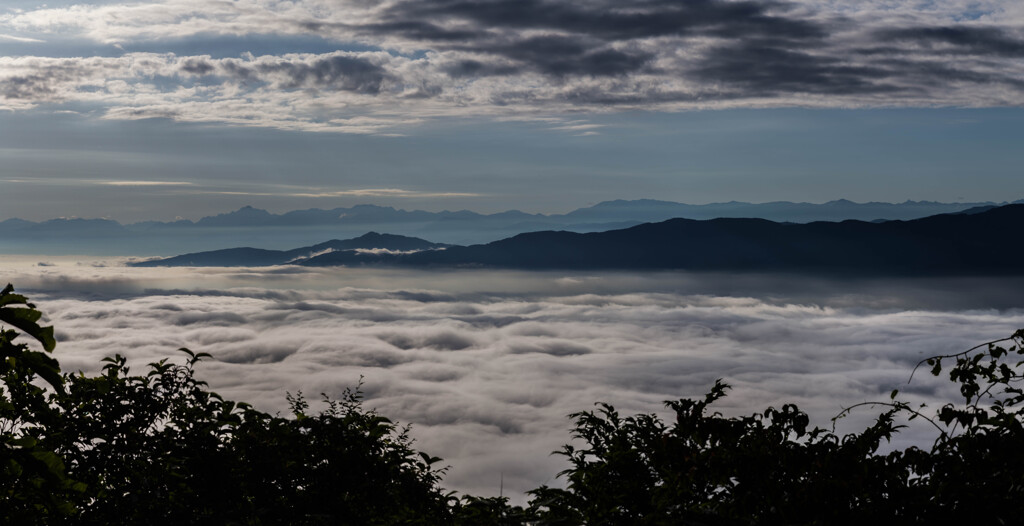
(979,241)
(252,226)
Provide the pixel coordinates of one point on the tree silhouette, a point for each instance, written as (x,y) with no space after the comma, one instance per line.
(772,468)
(160,447)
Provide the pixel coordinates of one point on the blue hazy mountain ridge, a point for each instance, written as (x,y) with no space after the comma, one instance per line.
(253,226)
(256,257)
(62,225)
(977,243)
(607,212)
(648,210)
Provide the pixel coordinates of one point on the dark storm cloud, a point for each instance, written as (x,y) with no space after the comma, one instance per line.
(756,68)
(197,66)
(562,56)
(412,60)
(420,30)
(986,41)
(27,87)
(44,83)
(337,72)
(475,68)
(722,51)
(610,21)
(583,34)
(231,68)
(925,74)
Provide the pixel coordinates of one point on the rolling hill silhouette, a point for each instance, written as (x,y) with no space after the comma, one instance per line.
(257,257)
(981,242)
(978,241)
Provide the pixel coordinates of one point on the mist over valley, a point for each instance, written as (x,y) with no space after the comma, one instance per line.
(487,364)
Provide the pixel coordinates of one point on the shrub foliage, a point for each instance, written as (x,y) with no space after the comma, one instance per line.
(160,447)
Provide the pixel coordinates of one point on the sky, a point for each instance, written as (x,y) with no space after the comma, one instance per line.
(486,365)
(186,108)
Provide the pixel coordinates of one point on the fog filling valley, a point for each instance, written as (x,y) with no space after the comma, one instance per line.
(486,365)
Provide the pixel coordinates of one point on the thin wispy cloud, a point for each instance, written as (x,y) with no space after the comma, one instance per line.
(145,183)
(364,192)
(579,127)
(424,59)
(195,188)
(13,38)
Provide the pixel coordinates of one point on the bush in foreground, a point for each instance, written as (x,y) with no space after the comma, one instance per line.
(160,447)
(772,468)
(118,448)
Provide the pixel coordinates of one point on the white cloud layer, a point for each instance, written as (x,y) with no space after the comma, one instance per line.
(486,365)
(509,58)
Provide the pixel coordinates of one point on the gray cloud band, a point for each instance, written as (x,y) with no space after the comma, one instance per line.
(501,57)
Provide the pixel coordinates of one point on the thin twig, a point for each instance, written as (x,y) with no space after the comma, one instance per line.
(956,355)
(895,405)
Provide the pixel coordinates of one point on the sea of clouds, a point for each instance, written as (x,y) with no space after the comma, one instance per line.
(486,365)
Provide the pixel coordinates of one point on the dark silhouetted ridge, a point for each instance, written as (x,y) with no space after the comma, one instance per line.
(256,257)
(976,243)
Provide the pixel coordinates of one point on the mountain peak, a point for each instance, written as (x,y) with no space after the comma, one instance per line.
(249,209)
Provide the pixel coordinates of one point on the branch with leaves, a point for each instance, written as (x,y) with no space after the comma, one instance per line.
(160,447)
